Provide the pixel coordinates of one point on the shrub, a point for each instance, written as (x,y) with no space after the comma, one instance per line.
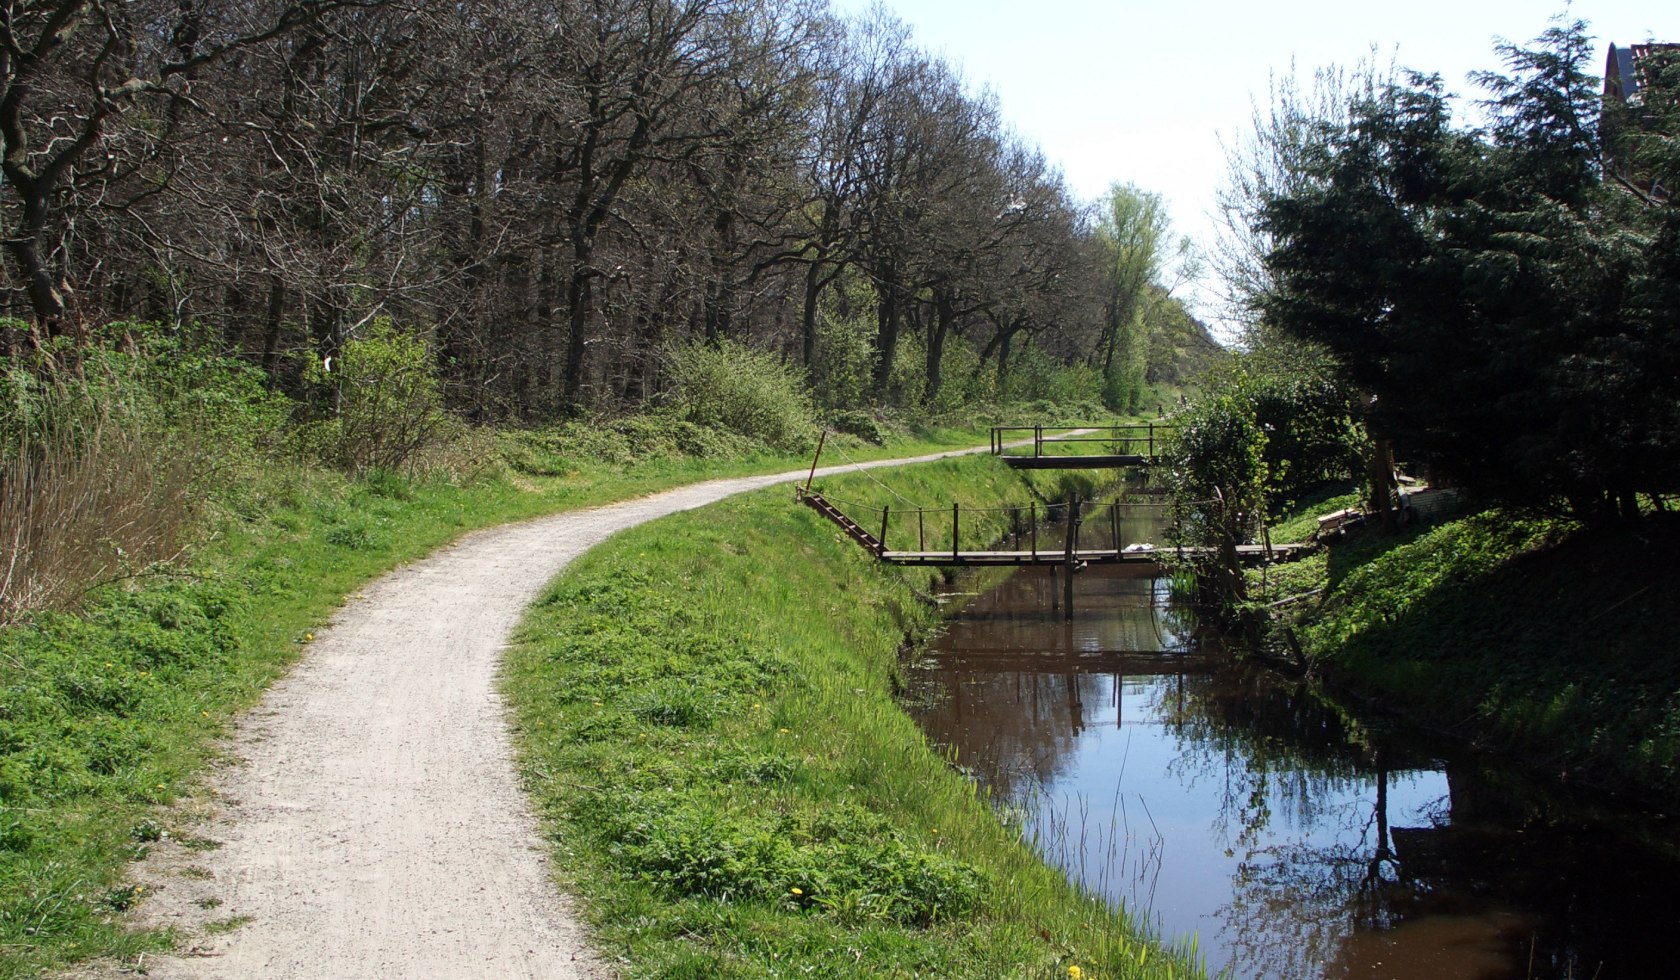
(749,392)
(105,449)
(862,425)
(845,356)
(387,405)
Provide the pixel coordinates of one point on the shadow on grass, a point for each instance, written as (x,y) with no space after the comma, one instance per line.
(1551,644)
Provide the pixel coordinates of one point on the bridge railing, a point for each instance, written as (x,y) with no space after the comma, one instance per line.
(1145,439)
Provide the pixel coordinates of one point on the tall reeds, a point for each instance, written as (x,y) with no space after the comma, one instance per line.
(88,493)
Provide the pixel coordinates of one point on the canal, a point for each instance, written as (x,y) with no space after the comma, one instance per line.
(1279,832)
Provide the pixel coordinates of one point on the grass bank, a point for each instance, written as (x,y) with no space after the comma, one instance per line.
(110,714)
(706,720)
(1528,635)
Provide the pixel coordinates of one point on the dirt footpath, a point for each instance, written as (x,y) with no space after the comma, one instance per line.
(373,824)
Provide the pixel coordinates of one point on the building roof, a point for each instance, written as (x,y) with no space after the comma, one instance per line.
(1622,67)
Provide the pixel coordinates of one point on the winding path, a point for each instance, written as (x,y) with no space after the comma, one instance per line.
(375,826)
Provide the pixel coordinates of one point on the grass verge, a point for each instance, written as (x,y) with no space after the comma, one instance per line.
(1530,635)
(706,720)
(110,714)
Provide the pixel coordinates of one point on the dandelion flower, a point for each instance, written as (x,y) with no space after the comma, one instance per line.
(796,891)
(308,637)
(1074,973)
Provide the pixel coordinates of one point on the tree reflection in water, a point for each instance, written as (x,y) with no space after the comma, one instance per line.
(1223,802)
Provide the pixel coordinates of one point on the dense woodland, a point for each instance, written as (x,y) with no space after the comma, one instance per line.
(556,195)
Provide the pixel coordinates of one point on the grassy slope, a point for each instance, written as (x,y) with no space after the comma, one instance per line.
(707,721)
(1528,635)
(107,717)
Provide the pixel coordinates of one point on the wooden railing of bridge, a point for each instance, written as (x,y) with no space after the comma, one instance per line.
(1071,550)
(1080,447)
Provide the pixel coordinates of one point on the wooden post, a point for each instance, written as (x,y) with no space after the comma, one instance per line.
(1152,440)
(884,511)
(1114,525)
(921,531)
(1068,557)
(954,538)
(1032,517)
(1055,598)
(822,438)
(1038,440)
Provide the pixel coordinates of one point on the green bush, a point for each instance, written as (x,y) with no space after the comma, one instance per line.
(749,392)
(845,358)
(859,424)
(1216,467)
(387,407)
(105,451)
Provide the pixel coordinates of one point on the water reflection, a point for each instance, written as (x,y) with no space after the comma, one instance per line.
(1228,804)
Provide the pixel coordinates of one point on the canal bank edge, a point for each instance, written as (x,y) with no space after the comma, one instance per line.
(706,721)
(1531,636)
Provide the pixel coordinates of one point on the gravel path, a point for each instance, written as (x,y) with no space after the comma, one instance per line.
(374,826)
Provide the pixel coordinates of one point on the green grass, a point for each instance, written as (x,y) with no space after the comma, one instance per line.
(110,715)
(706,720)
(1530,635)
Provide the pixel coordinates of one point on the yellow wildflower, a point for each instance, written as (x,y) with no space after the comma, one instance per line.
(1074,973)
(796,891)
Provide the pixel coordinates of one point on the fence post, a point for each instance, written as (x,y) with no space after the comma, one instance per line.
(954,538)
(821,438)
(1032,517)
(921,531)
(1114,524)
(1038,440)
(1068,557)
(884,511)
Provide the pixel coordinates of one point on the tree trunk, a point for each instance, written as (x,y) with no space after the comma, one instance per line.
(943,314)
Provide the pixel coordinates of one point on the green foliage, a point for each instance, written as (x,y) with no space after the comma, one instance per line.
(840,378)
(1509,310)
(386,405)
(151,379)
(1216,467)
(1036,377)
(749,392)
(860,425)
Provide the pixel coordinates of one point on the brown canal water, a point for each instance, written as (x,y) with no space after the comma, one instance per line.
(1289,838)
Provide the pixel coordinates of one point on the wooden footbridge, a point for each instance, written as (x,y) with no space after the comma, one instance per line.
(1072,552)
(1036,447)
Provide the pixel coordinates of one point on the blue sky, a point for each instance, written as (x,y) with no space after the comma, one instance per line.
(1142,92)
